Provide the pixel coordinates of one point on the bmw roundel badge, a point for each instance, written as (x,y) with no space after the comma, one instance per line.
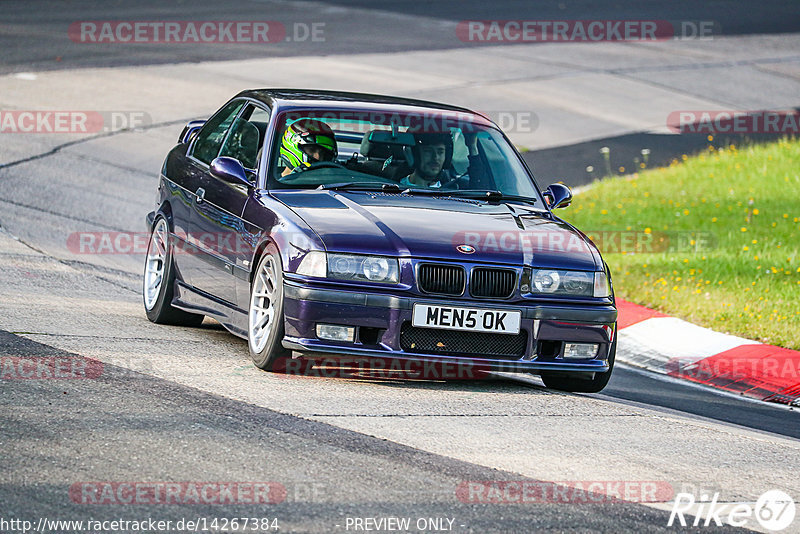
(465,249)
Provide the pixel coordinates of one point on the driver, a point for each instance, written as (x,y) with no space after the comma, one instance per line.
(432,153)
(306,142)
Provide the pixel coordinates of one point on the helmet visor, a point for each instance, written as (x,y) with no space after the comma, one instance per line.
(318,147)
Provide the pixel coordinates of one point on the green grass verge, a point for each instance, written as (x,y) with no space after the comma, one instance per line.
(713,239)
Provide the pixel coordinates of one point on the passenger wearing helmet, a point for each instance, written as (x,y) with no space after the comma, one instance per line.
(305,142)
(432,154)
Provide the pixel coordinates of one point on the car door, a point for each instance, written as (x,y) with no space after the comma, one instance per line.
(216,223)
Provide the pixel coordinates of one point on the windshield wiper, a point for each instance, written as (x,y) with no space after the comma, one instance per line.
(360,186)
(493,196)
(429,192)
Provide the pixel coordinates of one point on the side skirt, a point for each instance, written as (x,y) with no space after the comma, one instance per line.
(192,300)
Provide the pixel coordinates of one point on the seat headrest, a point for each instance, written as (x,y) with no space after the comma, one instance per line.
(377,150)
(247,137)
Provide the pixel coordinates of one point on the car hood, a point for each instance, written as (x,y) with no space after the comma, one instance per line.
(436,227)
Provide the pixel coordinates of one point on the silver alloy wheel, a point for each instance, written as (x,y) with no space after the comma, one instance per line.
(156,264)
(262,304)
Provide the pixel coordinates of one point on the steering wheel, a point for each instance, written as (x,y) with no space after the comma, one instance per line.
(321,165)
(455,183)
(298,171)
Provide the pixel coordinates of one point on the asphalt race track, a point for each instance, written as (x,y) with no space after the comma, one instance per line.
(172,405)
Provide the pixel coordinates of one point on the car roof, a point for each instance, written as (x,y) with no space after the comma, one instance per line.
(290,98)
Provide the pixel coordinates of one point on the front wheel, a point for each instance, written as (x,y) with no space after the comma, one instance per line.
(265,328)
(578,385)
(159,281)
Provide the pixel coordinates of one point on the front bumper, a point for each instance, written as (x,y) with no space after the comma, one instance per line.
(383,317)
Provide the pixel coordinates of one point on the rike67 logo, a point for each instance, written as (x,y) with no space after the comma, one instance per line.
(774,511)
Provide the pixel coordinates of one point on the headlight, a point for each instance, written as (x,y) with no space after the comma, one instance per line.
(363,268)
(577,283)
(350,267)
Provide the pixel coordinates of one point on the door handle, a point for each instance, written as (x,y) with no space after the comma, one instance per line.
(201,194)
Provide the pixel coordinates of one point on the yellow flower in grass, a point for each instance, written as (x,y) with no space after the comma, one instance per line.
(743,229)
(755,211)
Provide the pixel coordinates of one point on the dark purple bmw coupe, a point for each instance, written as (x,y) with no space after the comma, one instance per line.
(317,223)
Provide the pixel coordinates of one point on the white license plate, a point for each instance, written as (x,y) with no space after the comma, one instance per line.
(471,319)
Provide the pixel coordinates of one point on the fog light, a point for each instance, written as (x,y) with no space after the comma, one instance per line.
(580,351)
(333,332)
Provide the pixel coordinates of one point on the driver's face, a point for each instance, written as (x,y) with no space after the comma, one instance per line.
(317,153)
(431,160)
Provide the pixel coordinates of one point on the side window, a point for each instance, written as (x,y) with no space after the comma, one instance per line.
(210,138)
(246,137)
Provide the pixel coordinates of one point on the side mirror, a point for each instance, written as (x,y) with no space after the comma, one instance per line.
(190,130)
(229,170)
(557,196)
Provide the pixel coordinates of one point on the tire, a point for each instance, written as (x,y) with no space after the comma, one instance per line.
(265,326)
(578,385)
(158,283)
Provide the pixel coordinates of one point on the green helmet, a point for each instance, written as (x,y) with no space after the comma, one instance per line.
(303,137)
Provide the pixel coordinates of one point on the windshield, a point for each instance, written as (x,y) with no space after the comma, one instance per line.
(431,152)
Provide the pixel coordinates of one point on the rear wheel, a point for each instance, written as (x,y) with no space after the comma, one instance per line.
(579,385)
(159,281)
(265,328)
